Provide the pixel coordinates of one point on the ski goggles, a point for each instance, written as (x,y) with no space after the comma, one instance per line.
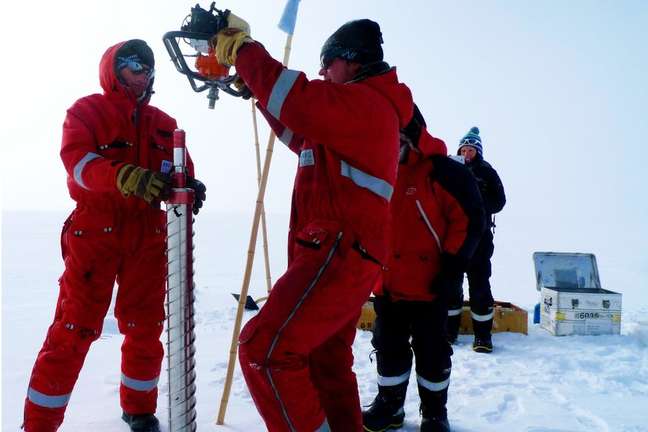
(470,141)
(135,65)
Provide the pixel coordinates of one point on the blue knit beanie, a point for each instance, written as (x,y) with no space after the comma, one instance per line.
(472,139)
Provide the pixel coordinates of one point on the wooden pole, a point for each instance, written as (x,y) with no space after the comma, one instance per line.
(250,261)
(264,229)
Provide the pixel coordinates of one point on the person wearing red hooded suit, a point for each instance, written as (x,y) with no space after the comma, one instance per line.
(296,353)
(117,151)
(437,221)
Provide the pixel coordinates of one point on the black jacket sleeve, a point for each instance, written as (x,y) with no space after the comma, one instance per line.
(491,187)
(459,182)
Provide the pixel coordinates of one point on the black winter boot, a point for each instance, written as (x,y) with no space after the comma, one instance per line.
(483,345)
(483,342)
(142,422)
(434,416)
(435,424)
(386,411)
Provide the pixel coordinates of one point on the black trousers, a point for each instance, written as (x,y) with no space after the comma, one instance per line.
(479,273)
(404,329)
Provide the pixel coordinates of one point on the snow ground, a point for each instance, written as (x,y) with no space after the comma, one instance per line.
(534,383)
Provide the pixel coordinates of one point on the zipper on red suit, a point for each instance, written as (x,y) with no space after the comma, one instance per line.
(427,222)
(300,301)
(136,123)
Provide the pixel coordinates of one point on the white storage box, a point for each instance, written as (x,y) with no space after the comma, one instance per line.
(571,298)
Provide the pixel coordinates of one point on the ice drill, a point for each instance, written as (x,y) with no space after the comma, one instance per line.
(180,296)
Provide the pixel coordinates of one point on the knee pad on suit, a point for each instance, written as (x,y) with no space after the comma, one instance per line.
(66,335)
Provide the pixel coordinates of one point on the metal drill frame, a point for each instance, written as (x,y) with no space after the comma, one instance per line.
(180,300)
(198,82)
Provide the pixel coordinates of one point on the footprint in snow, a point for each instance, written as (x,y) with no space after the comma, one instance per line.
(507,408)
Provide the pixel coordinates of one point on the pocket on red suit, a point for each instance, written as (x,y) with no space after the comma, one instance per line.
(156,225)
(89,239)
(86,222)
(318,235)
(64,230)
(161,155)
(91,260)
(411,274)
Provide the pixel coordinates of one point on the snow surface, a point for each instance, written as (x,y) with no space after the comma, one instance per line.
(530,383)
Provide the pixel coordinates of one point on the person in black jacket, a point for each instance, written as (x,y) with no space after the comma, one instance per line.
(479,268)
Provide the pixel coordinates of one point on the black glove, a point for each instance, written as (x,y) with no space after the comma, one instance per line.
(151,186)
(454,264)
(200,193)
(450,274)
(246,93)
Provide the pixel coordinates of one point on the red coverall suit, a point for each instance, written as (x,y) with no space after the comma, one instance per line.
(106,238)
(296,353)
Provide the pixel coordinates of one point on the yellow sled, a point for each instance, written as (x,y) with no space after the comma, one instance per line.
(507,317)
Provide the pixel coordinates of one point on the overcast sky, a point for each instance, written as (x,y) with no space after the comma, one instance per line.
(558,89)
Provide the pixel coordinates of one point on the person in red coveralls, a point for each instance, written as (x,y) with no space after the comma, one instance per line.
(117,150)
(437,221)
(296,353)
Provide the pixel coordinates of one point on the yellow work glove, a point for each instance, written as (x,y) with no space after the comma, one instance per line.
(228,41)
(144,183)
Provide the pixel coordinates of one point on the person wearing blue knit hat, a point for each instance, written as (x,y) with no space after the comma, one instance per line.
(479,269)
(471,140)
